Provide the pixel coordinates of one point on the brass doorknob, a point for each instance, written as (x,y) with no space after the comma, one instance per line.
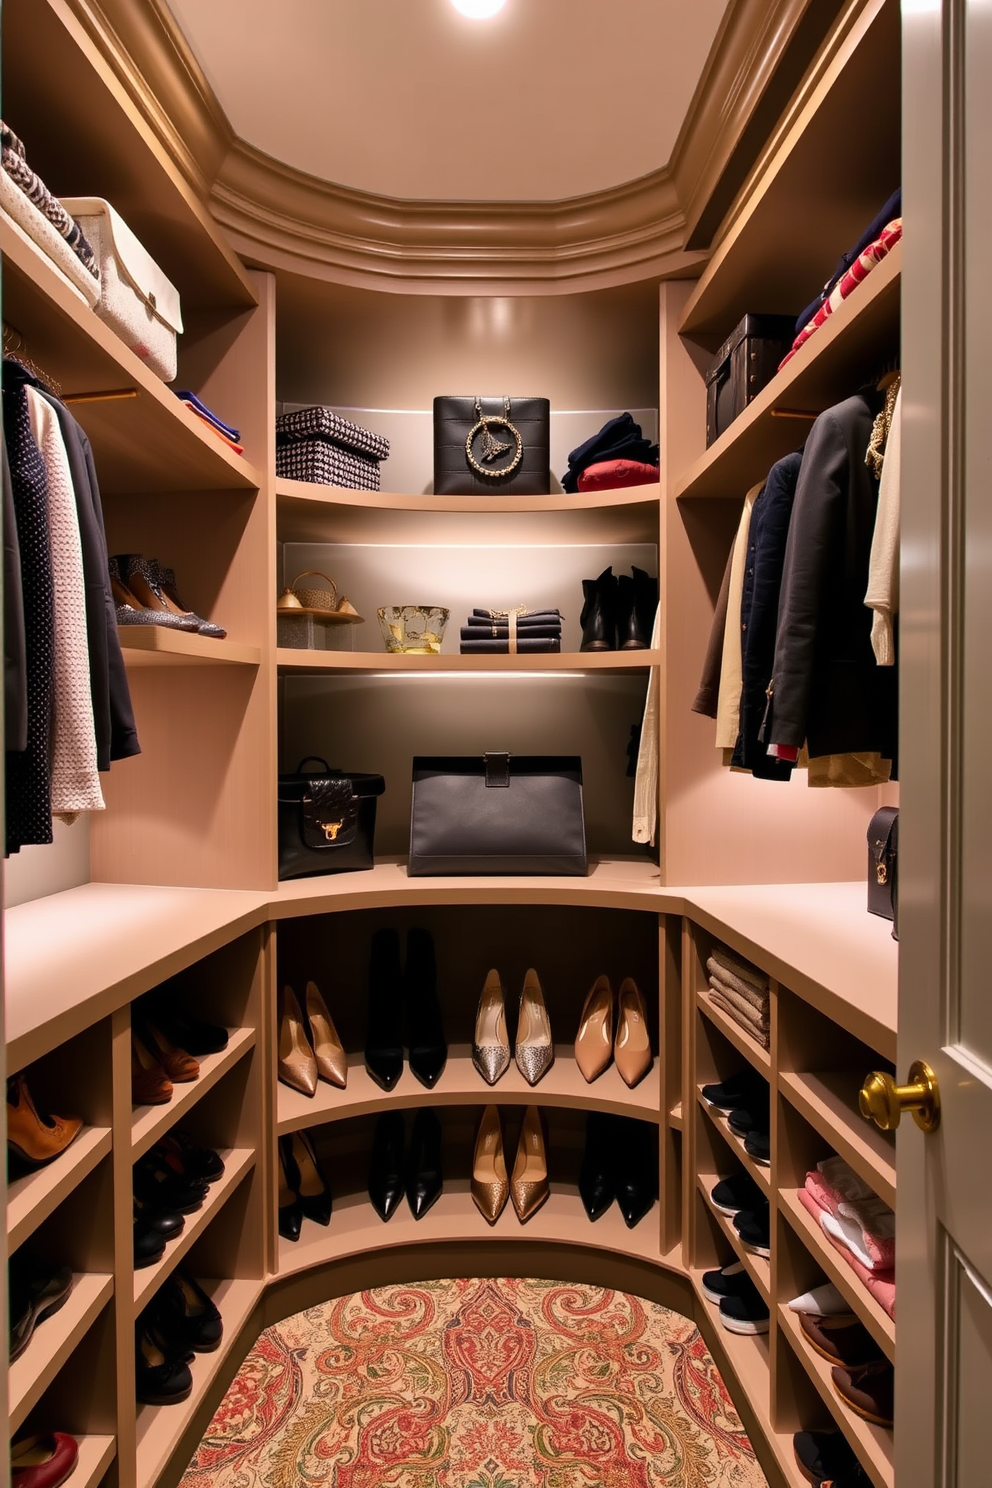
(883,1101)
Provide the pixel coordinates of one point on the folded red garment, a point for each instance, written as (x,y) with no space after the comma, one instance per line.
(881,1284)
(609,474)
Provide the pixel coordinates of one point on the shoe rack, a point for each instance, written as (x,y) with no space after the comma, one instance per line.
(184,862)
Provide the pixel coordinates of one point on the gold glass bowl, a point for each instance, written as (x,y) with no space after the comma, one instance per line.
(416,630)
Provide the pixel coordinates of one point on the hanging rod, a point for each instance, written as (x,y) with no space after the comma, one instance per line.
(794,413)
(108,396)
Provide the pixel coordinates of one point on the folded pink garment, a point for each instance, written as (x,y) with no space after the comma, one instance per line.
(864,1218)
(856,274)
(881,1284)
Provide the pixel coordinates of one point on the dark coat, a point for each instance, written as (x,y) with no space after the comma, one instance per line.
(827,687)
(708,695)
(766,544)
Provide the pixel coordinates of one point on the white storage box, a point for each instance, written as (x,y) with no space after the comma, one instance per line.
(136,300)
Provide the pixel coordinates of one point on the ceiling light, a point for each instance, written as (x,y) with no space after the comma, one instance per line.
(478,10)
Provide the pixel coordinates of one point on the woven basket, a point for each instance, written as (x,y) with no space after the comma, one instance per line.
(316,599)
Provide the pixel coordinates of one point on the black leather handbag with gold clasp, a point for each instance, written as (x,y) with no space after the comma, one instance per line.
(492,446)
(326,821)
(883,866)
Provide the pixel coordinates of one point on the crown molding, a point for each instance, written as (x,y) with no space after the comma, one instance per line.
(281,217)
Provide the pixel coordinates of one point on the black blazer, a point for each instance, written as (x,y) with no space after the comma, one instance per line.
(827,687)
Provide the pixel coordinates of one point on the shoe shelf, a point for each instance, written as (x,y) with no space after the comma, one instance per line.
(238,1162)
(757,1267)
(873,1444)
(675,1117)
(828,1101)
(846,350)
(313,663)
(33,1197)
(96,1453)
(831,1262)
(144,441)
(154,645)
(356,1229)
(162,1428)
(719,1120)
(749,1047)
(462,1085)
(53,1341)
(149,1123)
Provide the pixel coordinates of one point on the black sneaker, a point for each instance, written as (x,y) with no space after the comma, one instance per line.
(728,1282)
(731,1195)
(825,1456)
(738,1090)
(745,1313)
(758,1144)
(749,1116)
(754,1228)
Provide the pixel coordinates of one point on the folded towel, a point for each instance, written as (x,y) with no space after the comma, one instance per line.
(738,968)
(759,1016)
(849,1198)
(759,1035)
(759,1000)
(493,646)
(881,1284)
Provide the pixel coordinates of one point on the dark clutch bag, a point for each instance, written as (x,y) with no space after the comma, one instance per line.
(497,813)
(883,858)
(492,446)
(326,821)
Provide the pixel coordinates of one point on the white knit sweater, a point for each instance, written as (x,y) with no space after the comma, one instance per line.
(883,568)
(75,781)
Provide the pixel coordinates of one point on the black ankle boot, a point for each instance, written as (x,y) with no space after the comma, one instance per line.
(645,601)
(384,1030)
(386,1164)
(630,636)
(597,1185)
(424,1179)
(599,612)
(425,1037)
(637,1180)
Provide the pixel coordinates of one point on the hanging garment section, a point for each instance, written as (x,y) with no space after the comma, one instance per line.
(67,703)
(801,662)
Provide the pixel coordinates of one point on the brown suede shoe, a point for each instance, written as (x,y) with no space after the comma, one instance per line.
(150,1085)
(868,1390)
(33,1138)
(841,1339)
(180,1067)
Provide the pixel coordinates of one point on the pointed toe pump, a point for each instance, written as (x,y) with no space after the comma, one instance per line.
(328,1050)
(297,1065)
(425,1035)
(386,1164)
(490,1184)
(290,1209)
(632,1051)
(597,1174)
(535,1051)
(384,1031)
(594,1040)
(424,1177)
(311,1186)
(491,1047)
(529,1187)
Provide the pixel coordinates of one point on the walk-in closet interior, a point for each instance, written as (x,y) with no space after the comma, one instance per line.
(171,993)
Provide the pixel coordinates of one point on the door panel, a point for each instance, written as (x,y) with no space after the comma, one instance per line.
(969,1312)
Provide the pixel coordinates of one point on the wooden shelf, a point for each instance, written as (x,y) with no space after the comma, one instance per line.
(149,1123)
(875,1318)
(355,1228)
(742,1042)
(147,443)
(462,1085)
(155,645)
(96,1453)
(757,1171)
(873,1444)
(237,1162)
(847,350)
(828,1100)
(316,662)
(32,1198)
(759,1268)
(160,1427)
(675,1117)
(53,1341)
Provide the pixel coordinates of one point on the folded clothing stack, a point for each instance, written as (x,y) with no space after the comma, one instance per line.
(741,990)
(26,199)
(859,1225)
(618,455)
(229,436)
(511,632)
(319,446)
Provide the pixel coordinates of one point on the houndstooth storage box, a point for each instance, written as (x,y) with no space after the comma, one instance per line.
(319,446)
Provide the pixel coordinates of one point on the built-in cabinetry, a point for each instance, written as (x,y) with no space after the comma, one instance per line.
(183,861)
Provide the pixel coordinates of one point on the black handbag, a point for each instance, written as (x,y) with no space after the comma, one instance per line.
(326,821)
(492,446)
(497,813)
(883,860)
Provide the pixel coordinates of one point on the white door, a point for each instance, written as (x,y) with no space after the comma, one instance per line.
(944,1241)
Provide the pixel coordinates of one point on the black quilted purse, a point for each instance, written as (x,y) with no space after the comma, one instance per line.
(327,821)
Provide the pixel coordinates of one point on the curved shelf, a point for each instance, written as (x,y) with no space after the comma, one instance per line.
(356,1229)
(462,1085)
(288,491)
(316,662)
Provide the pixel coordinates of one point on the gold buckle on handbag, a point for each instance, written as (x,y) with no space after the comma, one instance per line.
(331,829)
(493,448)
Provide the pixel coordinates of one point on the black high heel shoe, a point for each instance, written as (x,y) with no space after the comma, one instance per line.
(384,1029)
(424,1178)
(637,1180)
(290,1208)
(304,1177)
(425,1038)
(386,1164)
(597,1183)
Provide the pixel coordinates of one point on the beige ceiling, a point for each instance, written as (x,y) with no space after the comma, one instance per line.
(407,98)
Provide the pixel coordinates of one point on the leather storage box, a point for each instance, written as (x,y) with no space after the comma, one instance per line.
(454,419)
(746,362)
(497,813)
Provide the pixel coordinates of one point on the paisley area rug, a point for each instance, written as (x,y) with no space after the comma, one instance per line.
(478,1384)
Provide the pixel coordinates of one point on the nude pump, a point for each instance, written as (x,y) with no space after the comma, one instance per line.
(594,1040)
(297,1065)
(632,1050)
(332,1062)
(529,1187)
(490,1184)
